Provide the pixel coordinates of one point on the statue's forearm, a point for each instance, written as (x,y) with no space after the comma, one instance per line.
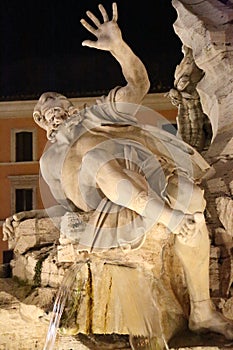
(133,70)
(56,210)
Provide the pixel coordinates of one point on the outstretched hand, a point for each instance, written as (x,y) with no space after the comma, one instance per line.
(108,33)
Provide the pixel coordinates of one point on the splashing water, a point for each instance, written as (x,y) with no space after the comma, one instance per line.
(60,302)
(139,308)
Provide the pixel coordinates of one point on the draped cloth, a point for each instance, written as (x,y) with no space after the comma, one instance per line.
(148,155)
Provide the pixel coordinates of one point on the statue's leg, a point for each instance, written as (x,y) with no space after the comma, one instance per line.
(195,262)
(129,188)
(194,256)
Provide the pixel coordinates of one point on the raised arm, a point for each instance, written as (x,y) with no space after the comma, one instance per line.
(109,38)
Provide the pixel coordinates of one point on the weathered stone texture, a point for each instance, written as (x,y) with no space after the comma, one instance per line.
(206,28)
(41,258)
(153,264)
(225,213)
(34,233)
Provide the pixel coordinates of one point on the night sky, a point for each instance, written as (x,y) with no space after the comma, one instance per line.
(41,47)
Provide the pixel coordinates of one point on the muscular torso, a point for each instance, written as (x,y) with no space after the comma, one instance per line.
(87,142)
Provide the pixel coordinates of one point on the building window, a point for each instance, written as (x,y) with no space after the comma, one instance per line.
(23,192)
(7,256)
(23,145)
(23,199)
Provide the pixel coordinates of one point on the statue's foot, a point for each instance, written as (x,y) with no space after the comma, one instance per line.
(211,321)
(190,227)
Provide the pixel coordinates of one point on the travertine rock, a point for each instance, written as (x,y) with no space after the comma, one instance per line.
(17,331)
(24,323)
(103,307)
(34,233)
(206,28)
(228,308)
(24,318)
(214,270)
(225,213)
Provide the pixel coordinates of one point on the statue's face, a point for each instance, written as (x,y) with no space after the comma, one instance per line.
(55,116)
(51,111)
(55,110)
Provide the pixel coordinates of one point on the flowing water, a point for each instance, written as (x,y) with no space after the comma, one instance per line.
(64,292)
(138,306)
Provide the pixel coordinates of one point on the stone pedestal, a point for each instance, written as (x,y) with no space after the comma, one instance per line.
(115,292)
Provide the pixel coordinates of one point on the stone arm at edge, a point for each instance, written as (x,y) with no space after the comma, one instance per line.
(13,221)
